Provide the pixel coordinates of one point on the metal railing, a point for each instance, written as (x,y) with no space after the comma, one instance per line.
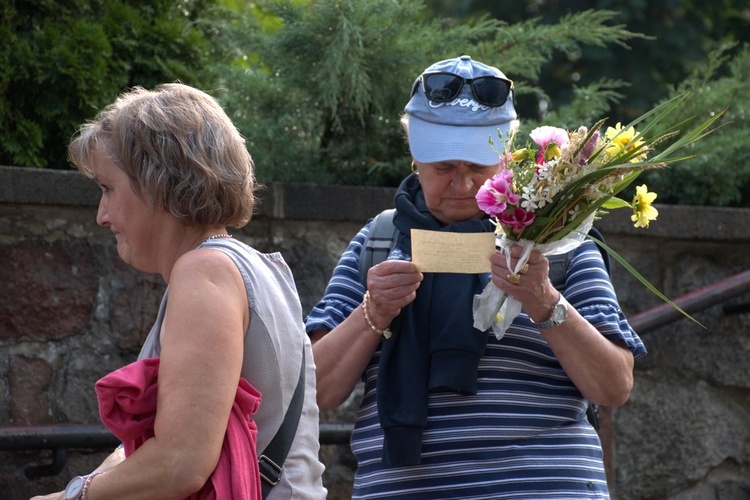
(700,299)
(63,437)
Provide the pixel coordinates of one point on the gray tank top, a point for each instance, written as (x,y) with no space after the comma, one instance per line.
(273,353)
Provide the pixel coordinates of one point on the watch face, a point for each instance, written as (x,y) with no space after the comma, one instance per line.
(73,490)
(559,313)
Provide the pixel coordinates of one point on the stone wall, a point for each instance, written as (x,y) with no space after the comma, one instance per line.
(70,312)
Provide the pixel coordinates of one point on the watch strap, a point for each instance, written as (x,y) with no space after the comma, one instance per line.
(546,324)
(87,483)
(551,322)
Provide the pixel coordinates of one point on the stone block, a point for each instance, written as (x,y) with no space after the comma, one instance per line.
(29,382)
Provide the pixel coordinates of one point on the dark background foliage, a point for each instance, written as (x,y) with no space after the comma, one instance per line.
(317,87)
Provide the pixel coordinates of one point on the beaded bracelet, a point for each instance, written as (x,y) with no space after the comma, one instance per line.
(387,331)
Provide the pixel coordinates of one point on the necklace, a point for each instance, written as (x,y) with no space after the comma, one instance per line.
(215,236)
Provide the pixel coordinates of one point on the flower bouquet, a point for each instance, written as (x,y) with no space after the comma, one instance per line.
(548,193)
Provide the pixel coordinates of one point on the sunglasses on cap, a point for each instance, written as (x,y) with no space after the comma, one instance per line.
(491,91)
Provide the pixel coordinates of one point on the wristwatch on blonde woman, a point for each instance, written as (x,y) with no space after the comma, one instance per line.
(557,316)
(79,486)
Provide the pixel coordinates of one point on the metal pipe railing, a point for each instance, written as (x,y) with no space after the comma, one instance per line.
(700,299)
(97,436)
(57,436)
(61,438)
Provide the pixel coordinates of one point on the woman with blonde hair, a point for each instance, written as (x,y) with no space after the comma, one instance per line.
(175,174)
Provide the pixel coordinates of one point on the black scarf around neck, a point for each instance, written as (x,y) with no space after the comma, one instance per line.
(434,346)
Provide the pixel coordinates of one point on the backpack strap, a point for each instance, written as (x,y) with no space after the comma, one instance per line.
(379,242)
(558,268)
(271,461)
(605,256)
(592,412)
(558,264)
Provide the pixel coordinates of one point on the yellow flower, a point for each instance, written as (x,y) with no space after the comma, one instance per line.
(522,154)
(643,212)
(552,152)
(620,138)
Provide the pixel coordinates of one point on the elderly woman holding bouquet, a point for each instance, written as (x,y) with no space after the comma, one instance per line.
(450,411)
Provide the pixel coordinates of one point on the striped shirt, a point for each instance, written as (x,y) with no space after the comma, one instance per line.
(524,434)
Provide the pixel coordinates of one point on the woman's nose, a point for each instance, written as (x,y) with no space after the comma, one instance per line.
(463,179)
(102,215)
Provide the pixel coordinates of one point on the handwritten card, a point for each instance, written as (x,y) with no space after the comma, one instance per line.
(444,252)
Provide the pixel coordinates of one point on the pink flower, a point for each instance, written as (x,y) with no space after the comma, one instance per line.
(517,219)
(588,148)
(551,140)
(496,193)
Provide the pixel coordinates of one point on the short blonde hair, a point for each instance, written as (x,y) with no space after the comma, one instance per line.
(180,151)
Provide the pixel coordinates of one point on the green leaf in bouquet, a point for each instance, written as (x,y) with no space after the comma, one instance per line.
(643,280)
(615,203)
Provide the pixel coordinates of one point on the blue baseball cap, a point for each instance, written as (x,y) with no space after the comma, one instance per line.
(460,129)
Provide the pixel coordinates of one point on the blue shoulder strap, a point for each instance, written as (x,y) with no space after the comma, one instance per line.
(558,264)
(380,240)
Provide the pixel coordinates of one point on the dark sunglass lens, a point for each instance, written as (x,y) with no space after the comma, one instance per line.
(440,87)
(490,91)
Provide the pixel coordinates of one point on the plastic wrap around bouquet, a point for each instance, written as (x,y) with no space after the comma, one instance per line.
(493,308)
(549,192)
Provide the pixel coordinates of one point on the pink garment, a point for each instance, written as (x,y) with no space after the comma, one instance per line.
(127,406)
